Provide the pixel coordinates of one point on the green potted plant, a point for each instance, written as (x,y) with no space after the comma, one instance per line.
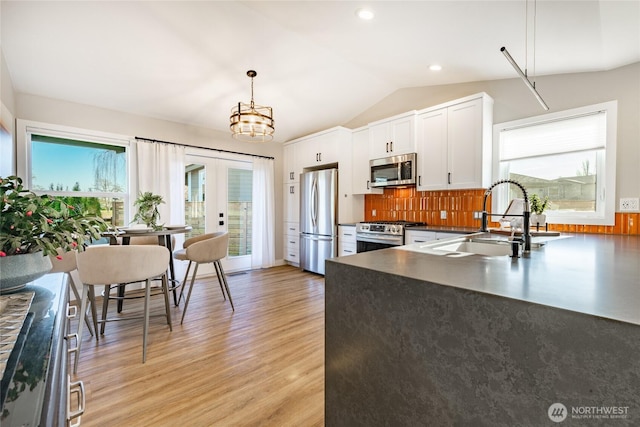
(538,206)
(33,227)
(148,214)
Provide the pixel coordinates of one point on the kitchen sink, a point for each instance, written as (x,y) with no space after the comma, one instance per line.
(472,244)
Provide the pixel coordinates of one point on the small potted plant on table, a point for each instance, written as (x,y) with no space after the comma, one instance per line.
(148,214)
(538,206)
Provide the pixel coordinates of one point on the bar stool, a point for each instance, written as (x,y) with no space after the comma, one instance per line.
(108,264)
(206,248)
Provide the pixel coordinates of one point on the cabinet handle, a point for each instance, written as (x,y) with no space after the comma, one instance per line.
(72,310)
(419,241)
(391,145)
(320,156)
(368,188)
(449,178)
(387,147)
(348,251)
(292,229)
(419,179)
(348,234)
(75,388)
(292,242)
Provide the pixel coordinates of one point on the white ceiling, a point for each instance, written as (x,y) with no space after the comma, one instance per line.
(318,65)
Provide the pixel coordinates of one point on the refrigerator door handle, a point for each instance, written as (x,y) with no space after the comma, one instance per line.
(316,238)
(314,202)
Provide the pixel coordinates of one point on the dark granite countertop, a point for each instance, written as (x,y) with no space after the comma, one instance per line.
(34,388)
(593,274)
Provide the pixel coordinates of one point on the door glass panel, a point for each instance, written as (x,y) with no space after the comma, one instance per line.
(239,189)
(195,186)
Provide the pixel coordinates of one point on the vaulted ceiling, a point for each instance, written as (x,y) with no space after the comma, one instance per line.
(318,64)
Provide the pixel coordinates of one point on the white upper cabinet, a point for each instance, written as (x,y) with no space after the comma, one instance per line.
(454,144)
(393,136)
(322,148)
(361,171)
(291,168)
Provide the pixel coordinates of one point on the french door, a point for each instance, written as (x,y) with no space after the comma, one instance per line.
(218,198)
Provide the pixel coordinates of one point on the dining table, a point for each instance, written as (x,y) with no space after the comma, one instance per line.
(123,236)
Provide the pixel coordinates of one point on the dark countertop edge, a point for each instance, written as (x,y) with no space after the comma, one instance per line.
(381,266)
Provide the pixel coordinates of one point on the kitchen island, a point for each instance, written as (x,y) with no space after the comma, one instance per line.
(420,339)
(35,383)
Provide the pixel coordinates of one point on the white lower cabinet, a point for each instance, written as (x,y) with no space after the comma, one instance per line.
(422,236)
(292,242)
(346,240)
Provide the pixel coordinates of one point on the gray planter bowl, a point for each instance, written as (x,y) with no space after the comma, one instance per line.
(16,271)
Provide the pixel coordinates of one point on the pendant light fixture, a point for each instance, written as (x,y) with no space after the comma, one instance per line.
(251,122)
(523,75)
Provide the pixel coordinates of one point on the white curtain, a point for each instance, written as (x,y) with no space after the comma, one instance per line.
(161,171)
(263,218)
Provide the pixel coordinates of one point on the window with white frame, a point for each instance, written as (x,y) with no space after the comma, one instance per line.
(90,171)
(568,157)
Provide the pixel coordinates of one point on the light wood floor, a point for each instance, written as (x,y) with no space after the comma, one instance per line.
(262,365)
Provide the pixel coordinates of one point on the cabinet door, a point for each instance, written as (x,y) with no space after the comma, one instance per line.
(432,172)
(291,198)
(393,137)
(402,135)
(291,170)
(319,150)
(465,145)
(415,236)
(379,141)
(361,172)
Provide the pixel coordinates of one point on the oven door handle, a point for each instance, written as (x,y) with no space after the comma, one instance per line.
(377,237)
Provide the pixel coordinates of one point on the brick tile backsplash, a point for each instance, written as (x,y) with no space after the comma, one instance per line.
(408,204)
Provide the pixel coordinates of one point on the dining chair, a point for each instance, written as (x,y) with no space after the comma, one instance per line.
(203,249)
(107,265)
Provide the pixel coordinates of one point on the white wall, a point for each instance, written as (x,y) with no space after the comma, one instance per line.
(561,92)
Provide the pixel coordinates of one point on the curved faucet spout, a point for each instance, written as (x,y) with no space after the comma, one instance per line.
(526,213)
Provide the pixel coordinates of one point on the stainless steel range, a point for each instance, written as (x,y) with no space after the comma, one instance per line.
(371,236)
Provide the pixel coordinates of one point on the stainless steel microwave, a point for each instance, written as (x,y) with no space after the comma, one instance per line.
(393,171)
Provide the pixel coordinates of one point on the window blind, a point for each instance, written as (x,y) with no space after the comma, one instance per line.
(555,137)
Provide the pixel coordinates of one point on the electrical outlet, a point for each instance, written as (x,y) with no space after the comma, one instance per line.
(443,214)
(477,214)
(629,204)
(373,212)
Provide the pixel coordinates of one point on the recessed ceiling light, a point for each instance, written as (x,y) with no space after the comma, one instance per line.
(435,67)
(365,14)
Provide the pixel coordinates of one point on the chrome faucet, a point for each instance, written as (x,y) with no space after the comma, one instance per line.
(525,214)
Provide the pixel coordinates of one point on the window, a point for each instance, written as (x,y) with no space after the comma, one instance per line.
(89,171)
(568,157)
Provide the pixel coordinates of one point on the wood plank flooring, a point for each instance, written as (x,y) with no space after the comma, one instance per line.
(262,365)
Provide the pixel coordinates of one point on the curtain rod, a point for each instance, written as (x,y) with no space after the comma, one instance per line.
(206,148)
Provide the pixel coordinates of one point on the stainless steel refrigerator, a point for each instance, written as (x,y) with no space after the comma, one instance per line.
(318,216)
